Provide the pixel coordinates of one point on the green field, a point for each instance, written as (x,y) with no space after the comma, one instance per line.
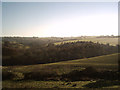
(106,62)
(111,41)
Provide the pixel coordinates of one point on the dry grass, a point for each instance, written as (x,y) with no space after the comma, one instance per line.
(111,41)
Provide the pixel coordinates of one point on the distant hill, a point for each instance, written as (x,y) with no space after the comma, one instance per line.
(103,40)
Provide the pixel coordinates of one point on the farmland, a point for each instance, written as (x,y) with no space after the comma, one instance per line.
(76,62)
(106,62)
(60,45)
(111,41)
(109,62)
(27,51)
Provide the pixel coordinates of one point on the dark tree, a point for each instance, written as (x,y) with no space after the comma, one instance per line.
(40,52)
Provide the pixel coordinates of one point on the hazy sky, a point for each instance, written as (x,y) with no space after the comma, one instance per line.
(45,19)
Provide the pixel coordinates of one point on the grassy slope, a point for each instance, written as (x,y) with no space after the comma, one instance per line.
(105,62)
(111,41)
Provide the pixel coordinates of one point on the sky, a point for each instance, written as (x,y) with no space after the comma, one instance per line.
(59,19)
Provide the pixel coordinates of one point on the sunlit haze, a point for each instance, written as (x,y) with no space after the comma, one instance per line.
(62,19)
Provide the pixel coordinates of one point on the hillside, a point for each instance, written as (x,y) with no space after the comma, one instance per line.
(29,76)
(105,62)
(111,41)
(16,53)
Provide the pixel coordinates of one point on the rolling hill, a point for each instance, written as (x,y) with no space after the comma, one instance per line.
(105,62)
(111,41)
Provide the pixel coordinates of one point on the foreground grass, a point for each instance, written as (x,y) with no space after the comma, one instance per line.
(43,84)
(61,84)
(105,62)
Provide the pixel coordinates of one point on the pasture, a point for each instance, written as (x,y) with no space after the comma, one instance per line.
(101,63)
(111,41)
(39,75)
(105,62)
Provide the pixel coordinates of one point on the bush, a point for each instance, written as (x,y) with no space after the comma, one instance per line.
(7,75)
(18,76)
(89,73)
(40,76)
(109,75)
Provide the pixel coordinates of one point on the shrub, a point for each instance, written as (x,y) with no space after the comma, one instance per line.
(40,76)
(18,76)
(7,75)
(89,73)
(109,75)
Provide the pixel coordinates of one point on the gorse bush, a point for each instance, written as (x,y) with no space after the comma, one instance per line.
(87,74)
(102,83)
(40,76)
(91,73)
(18,76)
(9,75)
